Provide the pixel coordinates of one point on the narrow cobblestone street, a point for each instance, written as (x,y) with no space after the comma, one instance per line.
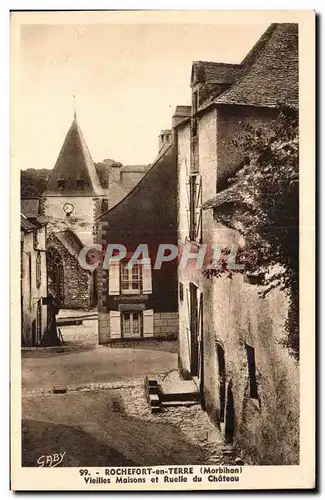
(104,419)
(114,426)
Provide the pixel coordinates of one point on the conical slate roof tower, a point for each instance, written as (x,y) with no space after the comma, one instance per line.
(74,173)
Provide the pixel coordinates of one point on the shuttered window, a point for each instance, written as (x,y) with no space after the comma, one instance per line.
(195,191)
(129,281)
(148,323)
(115,324)
(146,276)
(114,277)
(131,323)
(131,278)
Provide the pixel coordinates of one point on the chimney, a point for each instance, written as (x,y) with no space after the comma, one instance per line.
(115,173)
(181,113)
(165,137)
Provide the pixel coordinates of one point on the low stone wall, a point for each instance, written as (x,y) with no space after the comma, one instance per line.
(165,324)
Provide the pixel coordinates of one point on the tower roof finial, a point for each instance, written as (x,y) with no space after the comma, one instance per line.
(74,107)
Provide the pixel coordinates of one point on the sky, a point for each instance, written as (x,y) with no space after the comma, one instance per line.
(127,79)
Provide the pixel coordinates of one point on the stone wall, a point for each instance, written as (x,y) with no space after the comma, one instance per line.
(81,220)
(232,122)
(77,281)
(234,313)
(165,324)
(31,293)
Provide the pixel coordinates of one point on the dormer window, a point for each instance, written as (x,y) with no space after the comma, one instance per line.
(80,183)
(195,102)
(61,184)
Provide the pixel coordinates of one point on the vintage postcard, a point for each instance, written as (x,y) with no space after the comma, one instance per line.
(162,276)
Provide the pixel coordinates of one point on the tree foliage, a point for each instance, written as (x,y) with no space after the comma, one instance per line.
(33,181)
(266,212)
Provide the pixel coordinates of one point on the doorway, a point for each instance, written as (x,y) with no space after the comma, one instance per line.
(194,330)
(222,380)
(230,416)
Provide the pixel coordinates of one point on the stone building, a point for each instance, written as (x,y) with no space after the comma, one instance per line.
(228,334)
(72,200)
(33,280)
(141,303)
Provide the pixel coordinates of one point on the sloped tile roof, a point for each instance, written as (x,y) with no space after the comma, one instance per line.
(73,165)
(270,74)
(25,224)
(214,72)
(227,196)
(70,241)
(29,206)
(165,150)
(135,168)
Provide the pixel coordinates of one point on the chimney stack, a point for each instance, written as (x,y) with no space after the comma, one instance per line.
(181,113)
(165,137)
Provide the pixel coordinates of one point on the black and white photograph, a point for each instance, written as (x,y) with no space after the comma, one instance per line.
(163,336)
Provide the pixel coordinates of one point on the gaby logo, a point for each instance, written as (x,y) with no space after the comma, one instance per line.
(50,460)
(205,256)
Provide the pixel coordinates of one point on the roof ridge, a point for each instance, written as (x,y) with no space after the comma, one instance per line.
(251,58)
(215,63)
(250,63)
(160,155)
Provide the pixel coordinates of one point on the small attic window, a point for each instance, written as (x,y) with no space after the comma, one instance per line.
(61,184)
(104,205)
(80,183)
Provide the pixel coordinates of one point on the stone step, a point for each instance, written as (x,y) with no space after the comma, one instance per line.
(178,396)
(156,409)
(154,400)
(184,390)
(175,403)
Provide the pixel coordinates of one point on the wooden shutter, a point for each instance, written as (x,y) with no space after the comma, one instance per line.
(148,323)
(198,209)
(113,277)
(115,324)
(187,206)
(146,276)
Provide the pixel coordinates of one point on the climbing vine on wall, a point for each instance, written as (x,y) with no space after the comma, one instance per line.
(266,211)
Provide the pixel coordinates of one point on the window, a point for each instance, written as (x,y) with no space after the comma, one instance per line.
(194,127)
(80,183)
(61,184)
(55,275)
(35,239)
(253,392)
(255,278)
(104,205)
(131,324)
(38,269)
(130,279)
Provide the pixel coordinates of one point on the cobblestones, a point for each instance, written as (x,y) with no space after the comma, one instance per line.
(192,421)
